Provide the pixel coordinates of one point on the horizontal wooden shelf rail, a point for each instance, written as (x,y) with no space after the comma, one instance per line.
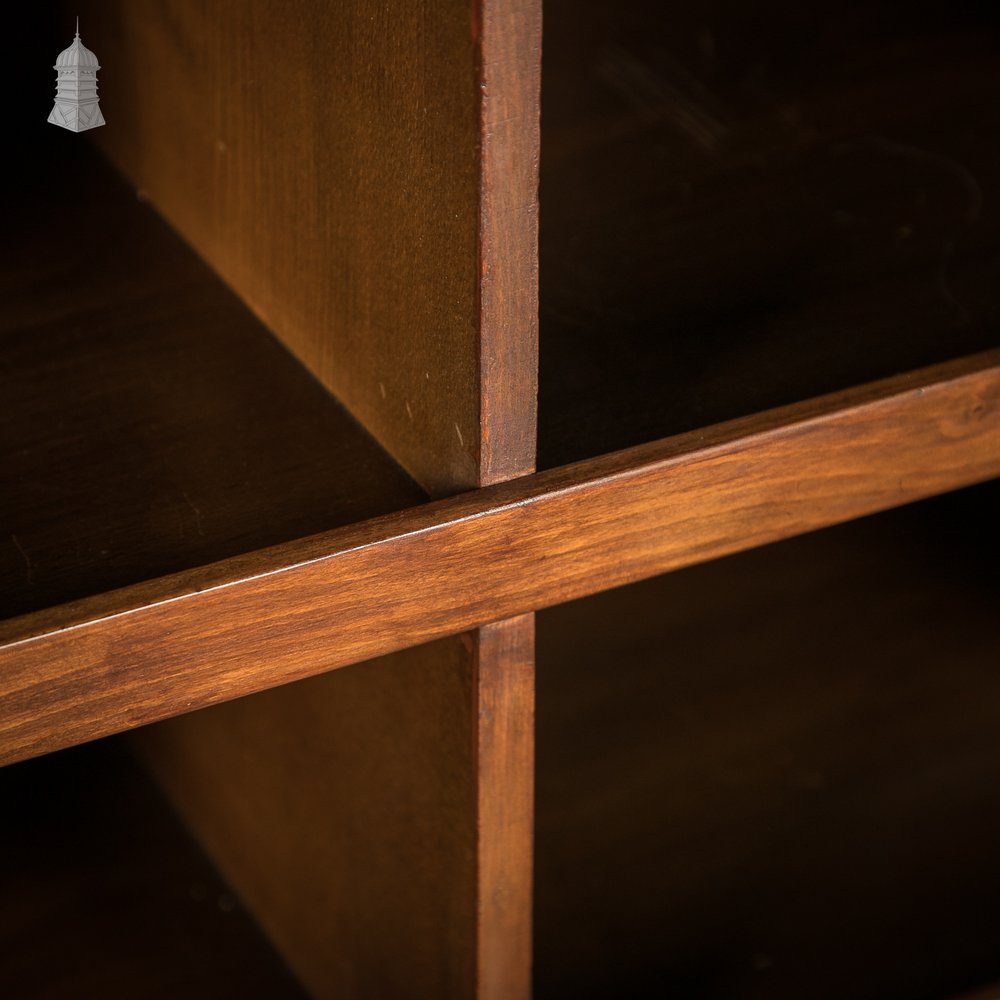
(182,642)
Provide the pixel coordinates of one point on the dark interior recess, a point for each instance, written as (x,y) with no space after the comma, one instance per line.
(150,423)
(105,894)
(744,205)
(777,775)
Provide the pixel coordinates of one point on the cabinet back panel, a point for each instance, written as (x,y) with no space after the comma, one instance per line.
(747,204)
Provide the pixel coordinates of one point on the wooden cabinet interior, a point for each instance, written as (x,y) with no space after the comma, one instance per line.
(778,763)
(364,178)
(134,445)
(793,770)
(106,894)
(767,206)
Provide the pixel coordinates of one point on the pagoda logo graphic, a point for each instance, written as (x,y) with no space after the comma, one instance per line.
(77,105)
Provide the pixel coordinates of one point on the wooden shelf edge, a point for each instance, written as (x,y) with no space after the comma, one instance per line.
(989,993)
(183,642)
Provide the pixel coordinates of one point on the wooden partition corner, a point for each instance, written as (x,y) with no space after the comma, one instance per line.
(365,178)
(377,819)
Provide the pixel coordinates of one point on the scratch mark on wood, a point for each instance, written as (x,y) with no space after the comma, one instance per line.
(197,514)
(24,556)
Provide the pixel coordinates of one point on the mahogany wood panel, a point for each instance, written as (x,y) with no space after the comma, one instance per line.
(775,776)
(377,819)
(123,659)
(105,894)
(148,422)
(354,172)
(749,204)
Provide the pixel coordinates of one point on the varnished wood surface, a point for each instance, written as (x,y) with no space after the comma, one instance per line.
(509,38)
(102,664)
(744,205)
(103,893)
(777,775)
(148,422)
(505,785)
(342,168)
(377,819)
(366,178)
(345,809)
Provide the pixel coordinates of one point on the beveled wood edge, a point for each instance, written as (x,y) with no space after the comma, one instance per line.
(182,642)
(509,74)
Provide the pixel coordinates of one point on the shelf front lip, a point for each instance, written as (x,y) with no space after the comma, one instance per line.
(123,659)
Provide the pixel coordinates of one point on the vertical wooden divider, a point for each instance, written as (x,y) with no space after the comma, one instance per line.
(377,819)
(365,177)
(505,766)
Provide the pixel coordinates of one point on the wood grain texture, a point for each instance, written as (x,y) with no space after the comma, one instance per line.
(105,894)
(343,171)
(102,664)
(505,783)
(149,423)
(774,776)
(366,178)
(749,204)
(509,36)
(345,810)
(377,819)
